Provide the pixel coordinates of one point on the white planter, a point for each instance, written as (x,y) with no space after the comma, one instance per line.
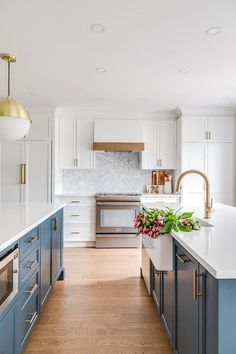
(160,251)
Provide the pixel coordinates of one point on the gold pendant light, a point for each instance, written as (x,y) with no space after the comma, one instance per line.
(14,118)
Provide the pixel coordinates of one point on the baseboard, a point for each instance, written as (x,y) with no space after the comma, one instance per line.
(79,244)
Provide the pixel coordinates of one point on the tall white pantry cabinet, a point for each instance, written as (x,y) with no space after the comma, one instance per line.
(26,165)
(208,144)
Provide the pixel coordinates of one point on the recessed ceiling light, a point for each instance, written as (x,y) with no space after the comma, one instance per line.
(183,72)
(101,70)
(98,28)
(212,31)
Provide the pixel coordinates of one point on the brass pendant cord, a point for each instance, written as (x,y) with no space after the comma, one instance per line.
(9,78)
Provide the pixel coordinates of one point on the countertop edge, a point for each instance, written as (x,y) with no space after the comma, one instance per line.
(15,238)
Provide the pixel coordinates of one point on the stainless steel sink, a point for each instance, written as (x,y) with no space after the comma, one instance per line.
(205,223)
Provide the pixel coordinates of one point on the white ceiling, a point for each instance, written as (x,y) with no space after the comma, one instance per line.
(145,44)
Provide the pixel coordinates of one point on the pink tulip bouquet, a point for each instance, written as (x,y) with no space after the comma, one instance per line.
(155,222)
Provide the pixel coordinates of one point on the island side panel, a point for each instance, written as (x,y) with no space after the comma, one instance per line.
(227,316)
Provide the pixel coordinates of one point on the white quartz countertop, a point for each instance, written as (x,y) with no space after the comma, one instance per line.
(17,219)
(213,247)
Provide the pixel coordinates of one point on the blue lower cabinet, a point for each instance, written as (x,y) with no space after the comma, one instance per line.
(57,245)
(29,265)
(156,287)
(167,313)
(25,318)
(7,332)
(163,294)
(46,281)
(188,326)
(40,252)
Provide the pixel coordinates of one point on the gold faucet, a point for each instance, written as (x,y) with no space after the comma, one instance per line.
(208,199)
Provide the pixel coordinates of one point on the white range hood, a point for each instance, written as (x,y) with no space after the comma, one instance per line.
(118,135)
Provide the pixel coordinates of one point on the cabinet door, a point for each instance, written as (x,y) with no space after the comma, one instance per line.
(12,155)
(194,129)
(209,313)
(38,179)
(149,155)
(193,157)
(85,153)
(57,244)
(45,236)
(67,148)
(221,129)
(40,128)
(167,144)
(187,324)
(220,167)
(167,301)
(156,288)
(7,332)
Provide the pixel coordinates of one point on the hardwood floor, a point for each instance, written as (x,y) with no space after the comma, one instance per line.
(102,307)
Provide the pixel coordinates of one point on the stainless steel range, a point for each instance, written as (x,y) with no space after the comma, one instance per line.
(115,214)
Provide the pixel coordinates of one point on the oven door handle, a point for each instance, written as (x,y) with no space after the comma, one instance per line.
(119,203)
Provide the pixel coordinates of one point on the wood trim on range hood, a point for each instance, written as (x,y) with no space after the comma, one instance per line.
(119,147)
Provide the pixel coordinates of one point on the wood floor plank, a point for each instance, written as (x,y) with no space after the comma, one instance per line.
(102,307)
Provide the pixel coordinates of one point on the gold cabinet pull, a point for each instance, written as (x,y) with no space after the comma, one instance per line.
(23,173)
(196,292)
(32,264)
(75,201)
(33,289)
(181,259)
(75,232)
(75,214)
(33,316)
(76,162)
(32,239)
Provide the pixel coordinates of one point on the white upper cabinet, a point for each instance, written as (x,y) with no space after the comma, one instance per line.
(212,153)
(194,129)
(149,155)
(207,129)
(167,144)
(118,130)
(40,128)
(159,145)
(220,129)
(85,153)
(67,143)
(75,144)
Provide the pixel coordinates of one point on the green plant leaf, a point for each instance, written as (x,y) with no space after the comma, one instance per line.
(167,228)
(184,228)
(186,215)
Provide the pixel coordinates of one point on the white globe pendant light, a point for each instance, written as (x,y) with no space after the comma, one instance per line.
(14,118)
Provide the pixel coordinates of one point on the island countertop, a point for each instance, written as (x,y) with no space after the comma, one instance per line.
(213,247)
(17,219)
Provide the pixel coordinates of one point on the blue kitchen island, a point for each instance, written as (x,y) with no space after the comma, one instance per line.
(31,261)
(195,289)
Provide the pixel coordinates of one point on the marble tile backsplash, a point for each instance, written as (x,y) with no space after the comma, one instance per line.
(115,172)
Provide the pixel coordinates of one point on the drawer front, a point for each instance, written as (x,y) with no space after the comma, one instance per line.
(79,233)
(78,215)
(78,201)
(26,319)
(29,265)
(28,242)
(29,289)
